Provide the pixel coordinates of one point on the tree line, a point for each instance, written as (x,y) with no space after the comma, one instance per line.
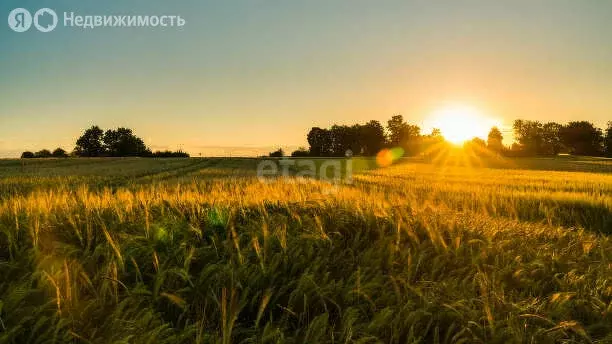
(95,142)
(369,138)
(532,138)
(577,138)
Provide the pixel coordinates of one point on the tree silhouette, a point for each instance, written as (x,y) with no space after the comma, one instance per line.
(528,134)
(59,153)
(494,140)
(320,142)
(345,138)
(363,139)
(122,142)
(90,143)
(396,129)
(372,137)
(551,141)
(432,144)
(27,155)
(476,142)
(300,153)
(582,138)
(608,141)
(169,154)
(403,135)
(279,153)
(43,153)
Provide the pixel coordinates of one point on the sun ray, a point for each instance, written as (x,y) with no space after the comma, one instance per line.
(460,123)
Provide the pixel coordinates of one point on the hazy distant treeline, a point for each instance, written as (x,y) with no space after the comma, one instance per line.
(532,138)
(95,142)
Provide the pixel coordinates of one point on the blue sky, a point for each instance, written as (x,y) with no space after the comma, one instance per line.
(261,73)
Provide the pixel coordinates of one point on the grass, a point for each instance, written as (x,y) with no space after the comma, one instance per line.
(200,251)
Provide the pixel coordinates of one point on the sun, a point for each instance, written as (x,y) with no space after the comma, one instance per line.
(460,123)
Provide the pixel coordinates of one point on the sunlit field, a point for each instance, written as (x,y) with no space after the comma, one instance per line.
(200,251)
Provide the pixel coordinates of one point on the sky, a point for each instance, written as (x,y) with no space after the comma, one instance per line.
(244,76)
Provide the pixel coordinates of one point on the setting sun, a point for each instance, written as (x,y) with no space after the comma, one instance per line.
(461,123)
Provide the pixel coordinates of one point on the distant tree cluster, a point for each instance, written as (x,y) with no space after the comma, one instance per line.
(577,138)
(360,139)
(279,153)
(120,142)
(45,153)
(369,138)
(169,154)
(608,142)
(532,138)
(300,153)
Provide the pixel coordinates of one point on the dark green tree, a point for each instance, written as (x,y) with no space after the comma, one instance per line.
(320,142)
(300,153)
(404,135)
(372,137)
(528,134)
(346,138)
(90,143)
(43,153)
(123,142)
(582,138)
(27,155)
(551,141)
(59,153)
(279,153)
(608,142)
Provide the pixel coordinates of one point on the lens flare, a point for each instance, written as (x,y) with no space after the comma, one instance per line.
(386,157)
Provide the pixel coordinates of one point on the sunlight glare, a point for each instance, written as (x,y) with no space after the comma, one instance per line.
(461,123)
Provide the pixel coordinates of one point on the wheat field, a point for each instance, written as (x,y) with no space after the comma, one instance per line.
(201,251)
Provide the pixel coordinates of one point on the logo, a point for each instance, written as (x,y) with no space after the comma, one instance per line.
(42,13)
(305,170)
(20,20)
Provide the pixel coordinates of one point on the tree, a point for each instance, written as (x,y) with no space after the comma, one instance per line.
(320,142)
(372,137)
(168,154)
(300,153)
(433,144)
(494,140)
(396,128)
(279,153)
(608,142)
(59,153)
(551,141)
(582,138)
(345,138)
(122,142)
(27,155)
(403,135)
(43,153)
(476,143)
(528,134)
(90,143)
(535,138)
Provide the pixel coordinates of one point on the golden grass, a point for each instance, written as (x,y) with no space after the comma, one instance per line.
(199,250)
